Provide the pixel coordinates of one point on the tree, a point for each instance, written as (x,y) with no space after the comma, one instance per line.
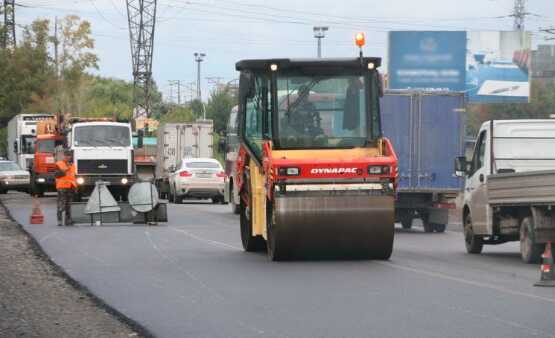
(542,105)
(219,106)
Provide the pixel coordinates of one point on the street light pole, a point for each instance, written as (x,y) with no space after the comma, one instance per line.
(319,34)
(199,57)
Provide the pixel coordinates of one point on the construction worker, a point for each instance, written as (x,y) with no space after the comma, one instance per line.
(65,186)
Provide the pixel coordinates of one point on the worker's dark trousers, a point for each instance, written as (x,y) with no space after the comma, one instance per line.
(65,197)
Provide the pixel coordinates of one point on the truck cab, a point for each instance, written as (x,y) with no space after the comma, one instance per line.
(103,151)
(509,189)
(44,166)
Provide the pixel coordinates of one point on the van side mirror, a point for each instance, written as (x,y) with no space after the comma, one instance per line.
(140,138)
(15,147)
(461,166)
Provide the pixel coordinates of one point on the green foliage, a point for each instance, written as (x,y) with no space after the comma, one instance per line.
(177,113)
(542,105)
(219,106)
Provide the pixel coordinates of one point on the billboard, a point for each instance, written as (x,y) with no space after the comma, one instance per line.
(498,66)
(427,60)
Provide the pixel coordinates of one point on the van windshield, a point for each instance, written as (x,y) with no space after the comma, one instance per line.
(102,136)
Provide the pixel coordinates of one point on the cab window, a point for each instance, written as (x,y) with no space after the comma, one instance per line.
(255,109)
(479,153)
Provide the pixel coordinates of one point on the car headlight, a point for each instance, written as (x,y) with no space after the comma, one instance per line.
(124,180)
(41,180)
(80,180)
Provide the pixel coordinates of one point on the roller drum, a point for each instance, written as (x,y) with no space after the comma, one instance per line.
(339,223)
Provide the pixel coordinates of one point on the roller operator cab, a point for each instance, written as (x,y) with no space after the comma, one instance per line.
(314,174)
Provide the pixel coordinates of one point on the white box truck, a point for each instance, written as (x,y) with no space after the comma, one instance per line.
(22,134)
(177,141)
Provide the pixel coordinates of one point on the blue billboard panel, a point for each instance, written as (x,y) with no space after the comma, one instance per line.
(427,60)
(497,72)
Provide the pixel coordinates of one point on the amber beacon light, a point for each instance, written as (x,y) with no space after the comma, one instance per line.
(360,39)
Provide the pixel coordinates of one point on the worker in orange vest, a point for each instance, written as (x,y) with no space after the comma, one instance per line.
(65,186)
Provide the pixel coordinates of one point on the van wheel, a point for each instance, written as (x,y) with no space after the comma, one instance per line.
(530,251)
(439,227)
(474,244)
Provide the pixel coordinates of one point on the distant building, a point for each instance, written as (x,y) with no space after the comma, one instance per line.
(543,64)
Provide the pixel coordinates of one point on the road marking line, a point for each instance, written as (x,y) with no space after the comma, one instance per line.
(205,240)
(466,281)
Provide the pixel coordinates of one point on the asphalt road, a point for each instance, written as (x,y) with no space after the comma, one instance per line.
(190,278)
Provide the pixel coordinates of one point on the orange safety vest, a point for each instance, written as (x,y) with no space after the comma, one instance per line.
(67,181)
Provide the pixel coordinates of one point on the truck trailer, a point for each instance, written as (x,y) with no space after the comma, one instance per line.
(427,132)
(509,191)
(315,175)
(176,141)
(22,134)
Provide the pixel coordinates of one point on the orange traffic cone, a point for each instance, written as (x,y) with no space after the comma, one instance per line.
(547,277)
(36,216)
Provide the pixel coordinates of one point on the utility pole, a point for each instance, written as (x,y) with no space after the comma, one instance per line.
(519,14)
(8,35)
(319,34)
(178,84)
(141,15)
(56,43)
(199,57)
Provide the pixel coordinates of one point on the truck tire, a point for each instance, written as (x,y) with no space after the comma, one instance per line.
(428,227)
(439,227)
(474,244)
(530,251)
(406,220)
(234,207)
(250,243)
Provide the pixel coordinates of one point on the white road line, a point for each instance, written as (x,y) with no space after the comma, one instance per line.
(466,281)
(205,240)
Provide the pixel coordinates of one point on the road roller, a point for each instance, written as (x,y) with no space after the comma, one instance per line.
(316,177)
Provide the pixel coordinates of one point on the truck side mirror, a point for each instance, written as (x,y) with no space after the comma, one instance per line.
(140,138)
(15,147)
(461,166)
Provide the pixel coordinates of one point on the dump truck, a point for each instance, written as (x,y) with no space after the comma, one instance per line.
(509,191)
(176,141)
(427,132)
(315,174)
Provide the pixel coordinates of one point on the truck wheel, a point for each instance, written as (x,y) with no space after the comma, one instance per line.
(439,227)
(250,243)
(406,221)
(428,227)
(473,243)
(530,251)
(234,207)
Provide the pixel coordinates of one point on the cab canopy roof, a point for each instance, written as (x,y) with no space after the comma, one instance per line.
(291,64)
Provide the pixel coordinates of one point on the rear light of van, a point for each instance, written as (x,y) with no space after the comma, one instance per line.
(221,174)
(185,173)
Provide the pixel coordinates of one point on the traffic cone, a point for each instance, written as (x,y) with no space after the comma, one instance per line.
(547,277)
(36,216)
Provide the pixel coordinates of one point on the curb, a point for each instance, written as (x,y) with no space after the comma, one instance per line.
(39,252)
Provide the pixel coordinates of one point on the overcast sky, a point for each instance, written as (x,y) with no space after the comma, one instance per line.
(230,30)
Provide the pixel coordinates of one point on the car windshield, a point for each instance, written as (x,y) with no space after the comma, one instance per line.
(46,146)
(9,166)
(322,112)
(102,136)
(203,165)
